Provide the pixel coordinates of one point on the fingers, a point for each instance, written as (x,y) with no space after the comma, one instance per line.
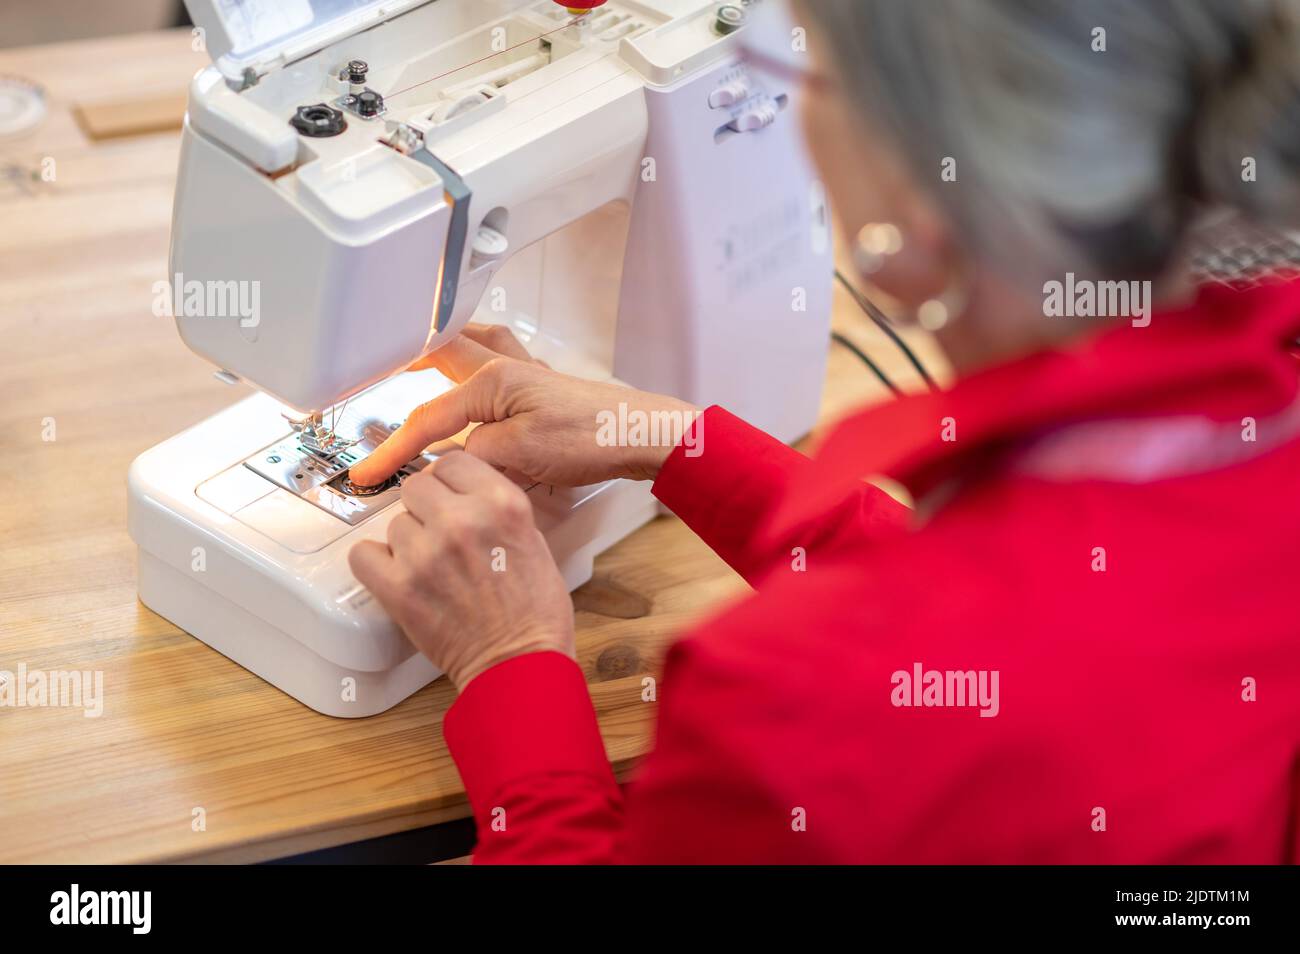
(372,564)
(496,338)
(465,473)
(404,531)
(424,496)
(492,443)
(476,345)
(457,359)
(448,414)
(434,500)
(487,495)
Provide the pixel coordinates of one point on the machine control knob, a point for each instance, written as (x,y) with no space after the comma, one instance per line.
(754,119)
(729,19)
(728,94)
(488,246)
(356,72)
(369,104)
(318,121)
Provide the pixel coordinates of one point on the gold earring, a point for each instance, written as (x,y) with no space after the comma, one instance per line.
(936,313)
(875,242)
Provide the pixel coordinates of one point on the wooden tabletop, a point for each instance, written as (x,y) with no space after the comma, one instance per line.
(84,361)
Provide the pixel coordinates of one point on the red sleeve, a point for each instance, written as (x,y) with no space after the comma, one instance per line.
(525,739)
(524,733)
(726,479)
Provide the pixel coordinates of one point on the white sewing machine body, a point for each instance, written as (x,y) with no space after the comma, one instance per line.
(618,190)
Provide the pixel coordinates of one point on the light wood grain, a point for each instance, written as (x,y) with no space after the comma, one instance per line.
(131,117)
(183,727)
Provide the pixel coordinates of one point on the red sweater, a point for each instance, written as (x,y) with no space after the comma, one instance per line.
(1113,530)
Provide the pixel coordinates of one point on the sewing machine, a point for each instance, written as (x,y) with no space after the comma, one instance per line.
(360,178)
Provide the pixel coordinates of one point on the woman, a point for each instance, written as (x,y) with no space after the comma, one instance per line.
(1082,645)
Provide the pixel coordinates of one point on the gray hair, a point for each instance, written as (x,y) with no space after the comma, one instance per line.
(1068,156)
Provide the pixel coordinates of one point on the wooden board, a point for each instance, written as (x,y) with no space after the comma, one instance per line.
(132,117)
(184,728)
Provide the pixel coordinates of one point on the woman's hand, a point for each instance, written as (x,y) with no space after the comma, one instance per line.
(534,420)
(465,573)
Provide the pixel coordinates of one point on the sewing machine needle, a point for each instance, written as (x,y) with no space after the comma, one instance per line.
(344,410)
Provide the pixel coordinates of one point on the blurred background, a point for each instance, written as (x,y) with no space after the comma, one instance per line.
(26,22)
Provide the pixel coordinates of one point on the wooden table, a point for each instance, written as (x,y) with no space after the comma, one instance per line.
(183,727)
